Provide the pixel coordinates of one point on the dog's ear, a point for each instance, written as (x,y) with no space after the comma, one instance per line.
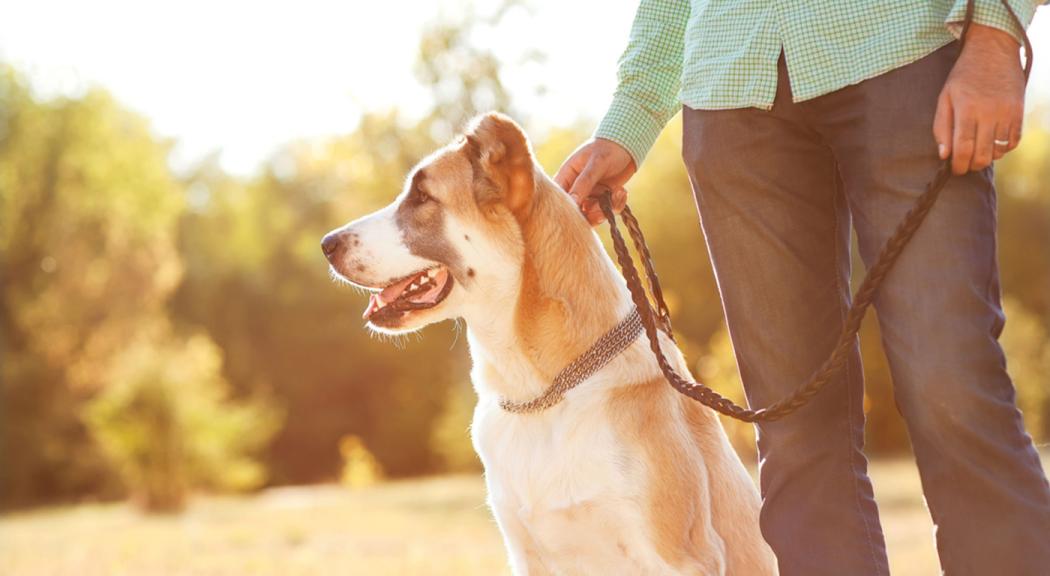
(502,161)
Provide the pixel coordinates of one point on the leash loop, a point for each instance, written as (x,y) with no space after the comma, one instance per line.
(660,318)
(657,319)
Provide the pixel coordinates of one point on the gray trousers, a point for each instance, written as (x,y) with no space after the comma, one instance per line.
(777,193)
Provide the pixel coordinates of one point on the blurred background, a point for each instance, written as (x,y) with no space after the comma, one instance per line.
(183,389)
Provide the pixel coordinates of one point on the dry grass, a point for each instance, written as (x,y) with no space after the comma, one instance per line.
(429,526)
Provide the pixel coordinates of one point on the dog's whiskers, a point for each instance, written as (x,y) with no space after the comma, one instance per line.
(457,328)
(397,340)
(339,279)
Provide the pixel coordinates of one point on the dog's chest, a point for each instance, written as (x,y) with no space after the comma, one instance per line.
(551,460)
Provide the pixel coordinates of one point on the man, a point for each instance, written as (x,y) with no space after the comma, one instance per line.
(801,119)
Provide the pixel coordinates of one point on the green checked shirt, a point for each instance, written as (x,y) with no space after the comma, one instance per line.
(719,54)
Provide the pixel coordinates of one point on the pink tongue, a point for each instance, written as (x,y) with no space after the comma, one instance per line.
(390,293)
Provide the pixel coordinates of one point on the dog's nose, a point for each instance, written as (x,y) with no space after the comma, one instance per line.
(330,244)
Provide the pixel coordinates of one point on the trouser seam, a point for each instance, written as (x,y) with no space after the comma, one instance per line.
(849,376)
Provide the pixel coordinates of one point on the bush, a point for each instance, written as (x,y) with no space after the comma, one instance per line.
(167,422)
(1026,342)
(360,467)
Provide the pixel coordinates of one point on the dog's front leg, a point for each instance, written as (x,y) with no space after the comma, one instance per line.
(600,538)
(523,555)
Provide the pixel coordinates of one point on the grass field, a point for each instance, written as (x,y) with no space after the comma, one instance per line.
(436,526)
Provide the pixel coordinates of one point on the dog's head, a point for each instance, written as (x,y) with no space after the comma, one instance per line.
(449,245)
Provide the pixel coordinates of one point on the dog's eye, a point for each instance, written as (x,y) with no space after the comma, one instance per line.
(421,197)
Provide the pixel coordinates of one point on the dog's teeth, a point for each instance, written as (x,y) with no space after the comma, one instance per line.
(413,286)
(432,272)
(424,280)
(380,305)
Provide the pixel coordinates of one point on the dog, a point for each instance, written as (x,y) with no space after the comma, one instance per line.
(623,475)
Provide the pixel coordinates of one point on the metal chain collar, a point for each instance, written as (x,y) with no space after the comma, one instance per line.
(610,345)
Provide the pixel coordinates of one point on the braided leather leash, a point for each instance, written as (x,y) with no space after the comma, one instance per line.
(863,299)
(660,318)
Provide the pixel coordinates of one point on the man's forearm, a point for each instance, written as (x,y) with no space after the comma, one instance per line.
(649,77)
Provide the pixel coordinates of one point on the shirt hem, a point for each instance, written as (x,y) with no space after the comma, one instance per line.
(701,103)
(811,94)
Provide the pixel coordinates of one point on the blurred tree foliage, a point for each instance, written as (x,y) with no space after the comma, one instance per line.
(100,242)
(256,282)
(360,467)
(459,65)
(1026,340)
(450,438)
(88,209)
(166,420)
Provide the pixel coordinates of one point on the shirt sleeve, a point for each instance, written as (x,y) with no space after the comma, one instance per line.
(994,14)
(649,77)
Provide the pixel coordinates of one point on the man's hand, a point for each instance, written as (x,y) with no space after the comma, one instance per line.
(982,101)
(596,162)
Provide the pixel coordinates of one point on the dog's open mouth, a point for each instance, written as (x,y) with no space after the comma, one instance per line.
(417,291)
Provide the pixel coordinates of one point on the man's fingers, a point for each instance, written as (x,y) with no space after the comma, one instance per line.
(942,125)
(566,175)
(1015,133)
(619,199)
(584,183)
(1016,124)
(964,134)
(570,170)
(984,145)
(1002,140)
(593,211)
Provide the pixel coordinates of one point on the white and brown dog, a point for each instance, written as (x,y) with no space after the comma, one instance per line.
(623,475)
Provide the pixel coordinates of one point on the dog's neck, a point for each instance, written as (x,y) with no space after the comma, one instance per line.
(570,294)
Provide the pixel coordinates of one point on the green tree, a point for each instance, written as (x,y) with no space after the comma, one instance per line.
(87,214)
(88,219)
(1026,341)
(463,72)
(166,420)
(257,282)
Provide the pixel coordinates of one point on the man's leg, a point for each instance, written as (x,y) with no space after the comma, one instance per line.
(940,316)
(777,228)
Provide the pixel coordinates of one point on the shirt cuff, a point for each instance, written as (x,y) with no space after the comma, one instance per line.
(992,13)
(630,125)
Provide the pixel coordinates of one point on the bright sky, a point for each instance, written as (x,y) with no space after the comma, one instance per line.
(242,77)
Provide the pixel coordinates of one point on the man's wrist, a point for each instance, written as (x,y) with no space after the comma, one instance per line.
(991,37)
(631,125)
(992,47)
(992,14)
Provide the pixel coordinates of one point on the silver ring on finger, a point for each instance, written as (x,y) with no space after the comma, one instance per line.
(1002,143)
